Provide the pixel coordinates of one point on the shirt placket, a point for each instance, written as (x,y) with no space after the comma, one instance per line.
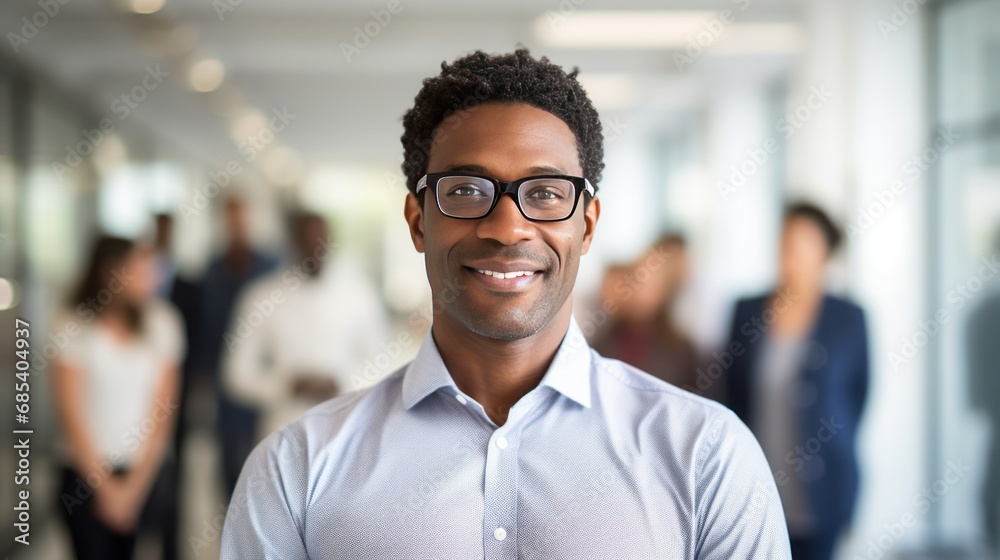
(500,488)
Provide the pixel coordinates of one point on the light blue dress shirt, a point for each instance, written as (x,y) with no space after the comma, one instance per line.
(599,461)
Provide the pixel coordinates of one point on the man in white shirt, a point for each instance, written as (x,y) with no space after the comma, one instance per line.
(508,436)
(300,335)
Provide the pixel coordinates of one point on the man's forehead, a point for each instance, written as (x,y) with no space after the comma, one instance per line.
(492,133)
(499,113)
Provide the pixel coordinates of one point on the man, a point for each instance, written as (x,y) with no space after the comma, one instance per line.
(225,278)
(299,336)
(507,436)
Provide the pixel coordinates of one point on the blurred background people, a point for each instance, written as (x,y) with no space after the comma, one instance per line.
(185,294)
(642,332)
(983,336)
(166,269)
(116,398)
(223,281)
(303,334)
(800,382)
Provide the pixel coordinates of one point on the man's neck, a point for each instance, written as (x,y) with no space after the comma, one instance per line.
(497,373)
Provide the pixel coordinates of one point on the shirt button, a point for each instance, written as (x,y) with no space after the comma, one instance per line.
(502,444)
(500,534)
(461,399)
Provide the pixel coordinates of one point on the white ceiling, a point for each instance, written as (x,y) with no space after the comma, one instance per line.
(288,54)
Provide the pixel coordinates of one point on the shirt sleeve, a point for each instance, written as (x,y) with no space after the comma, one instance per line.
(739,513)
(70,347)
(265,518)
(168,332)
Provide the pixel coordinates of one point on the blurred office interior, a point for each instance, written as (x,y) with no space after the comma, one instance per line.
(885,113)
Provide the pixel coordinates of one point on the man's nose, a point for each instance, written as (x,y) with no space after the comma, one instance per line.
(506,224)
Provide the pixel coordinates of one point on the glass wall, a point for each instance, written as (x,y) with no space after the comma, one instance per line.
(964,325)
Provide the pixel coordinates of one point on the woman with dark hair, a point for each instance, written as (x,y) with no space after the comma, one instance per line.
(799,380)
(115,392)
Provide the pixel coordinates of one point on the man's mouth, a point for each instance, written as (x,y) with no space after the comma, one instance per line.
(502,275)
(512,278)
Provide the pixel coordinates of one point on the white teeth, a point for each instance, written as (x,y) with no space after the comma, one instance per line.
(503,275)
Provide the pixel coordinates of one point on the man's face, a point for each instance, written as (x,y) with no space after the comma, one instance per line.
(312,235)
(506,142)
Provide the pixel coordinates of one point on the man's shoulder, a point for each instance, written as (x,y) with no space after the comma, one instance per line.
(322,424)
(649,395)
(646,385)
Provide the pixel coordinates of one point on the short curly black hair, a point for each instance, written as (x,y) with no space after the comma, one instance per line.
(505,78)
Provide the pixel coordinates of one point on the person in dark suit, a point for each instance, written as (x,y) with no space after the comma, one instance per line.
(220,286)
(799,379)
(983,345)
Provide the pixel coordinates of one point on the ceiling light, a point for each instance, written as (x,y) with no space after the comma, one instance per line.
(622,30)
(759,39)
(249,122)
(10,294)
(716,33)
(283,166)
(110,154)
(147,6)
(207,75)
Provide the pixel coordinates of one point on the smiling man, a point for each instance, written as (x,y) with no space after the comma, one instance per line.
(507,436)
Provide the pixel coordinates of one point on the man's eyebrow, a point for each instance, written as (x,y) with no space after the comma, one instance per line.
(548,170)
(467,168)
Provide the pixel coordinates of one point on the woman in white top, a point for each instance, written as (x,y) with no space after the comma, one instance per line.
(115,393)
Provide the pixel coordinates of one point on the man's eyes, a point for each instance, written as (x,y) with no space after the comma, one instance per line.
(545,193)
(466,191)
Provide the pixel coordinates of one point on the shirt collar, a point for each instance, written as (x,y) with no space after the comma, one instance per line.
(569,373)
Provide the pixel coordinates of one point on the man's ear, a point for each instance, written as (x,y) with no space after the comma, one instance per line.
(590,216)
(414,214)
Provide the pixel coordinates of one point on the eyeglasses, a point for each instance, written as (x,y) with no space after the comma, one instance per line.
(540,198)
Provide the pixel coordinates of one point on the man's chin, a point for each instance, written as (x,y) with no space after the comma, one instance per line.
(509,325)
